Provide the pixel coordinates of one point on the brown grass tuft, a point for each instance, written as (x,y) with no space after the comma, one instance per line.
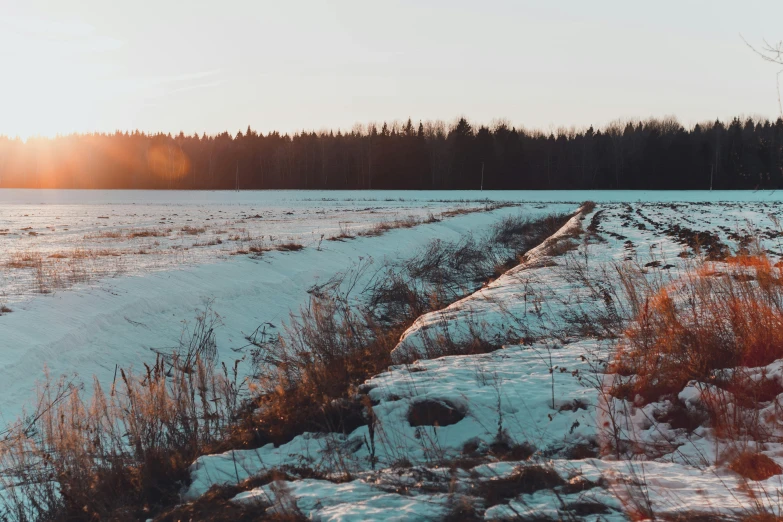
(703,324)
(755,466)
(123,454)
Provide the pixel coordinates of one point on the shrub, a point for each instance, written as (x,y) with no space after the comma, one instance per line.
(709,321)
(306,375)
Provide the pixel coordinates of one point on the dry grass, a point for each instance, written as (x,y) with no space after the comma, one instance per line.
(345,233)
(308,374)
(487,207)
(211,242)
(561,247)
(192,231)
(63,269)
(755,466)
(588,206)
(215,505)
(525,479)
(132,233)
(382,227)
(258,248)
(105,234)
(713,328)
(25,259)
(289,247)
(124,453)
(717,317)
(148,232)
(441,343)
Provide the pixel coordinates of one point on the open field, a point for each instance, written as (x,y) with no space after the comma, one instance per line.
(113,318)
(53,240)
(447,431)
(624,367)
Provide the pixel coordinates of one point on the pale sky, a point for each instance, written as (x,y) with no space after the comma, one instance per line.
(195,66)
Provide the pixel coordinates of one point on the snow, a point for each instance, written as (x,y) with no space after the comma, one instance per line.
(512,390)
(348,502)
(508,390)
(90,329)
(89,236)
(543,392)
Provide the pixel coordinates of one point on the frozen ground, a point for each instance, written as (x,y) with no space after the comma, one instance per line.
(51,240)
(120,319)
(543,397)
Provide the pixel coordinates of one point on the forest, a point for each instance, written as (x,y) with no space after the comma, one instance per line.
(652,154)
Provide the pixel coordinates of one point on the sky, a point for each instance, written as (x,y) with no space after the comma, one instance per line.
(207,66)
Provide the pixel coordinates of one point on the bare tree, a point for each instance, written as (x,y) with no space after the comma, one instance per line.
(772,53)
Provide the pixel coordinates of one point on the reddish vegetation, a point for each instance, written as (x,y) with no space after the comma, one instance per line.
(755,466)
(712,319)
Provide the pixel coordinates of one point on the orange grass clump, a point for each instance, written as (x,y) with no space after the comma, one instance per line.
(715,317)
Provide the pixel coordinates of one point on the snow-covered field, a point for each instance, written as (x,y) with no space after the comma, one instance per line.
(548,395)
(544,397)
(120,318)
(51,240)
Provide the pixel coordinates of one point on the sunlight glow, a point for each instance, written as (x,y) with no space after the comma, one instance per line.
(58,76)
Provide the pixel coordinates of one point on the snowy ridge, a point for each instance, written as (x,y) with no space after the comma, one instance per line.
(454,320)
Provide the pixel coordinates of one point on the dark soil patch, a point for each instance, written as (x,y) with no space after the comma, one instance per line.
(526,479)
(574,405)
(700,241)
(289,247)
(434,413)
(678,416)
(581,451)
(509,451)
(595,223)
(584,509)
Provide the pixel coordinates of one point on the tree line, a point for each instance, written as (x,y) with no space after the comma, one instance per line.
(650,154)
